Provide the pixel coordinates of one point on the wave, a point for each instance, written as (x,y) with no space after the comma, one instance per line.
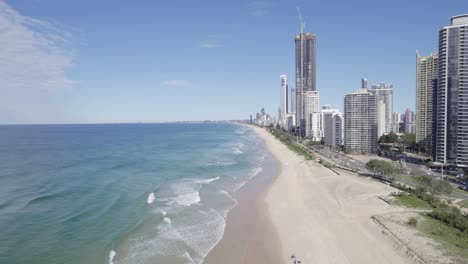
(192,238)
(151,198)
(167,220)
(236,151)
(207,180)
(187,199)
(163,212)
(255,172)
(112,256)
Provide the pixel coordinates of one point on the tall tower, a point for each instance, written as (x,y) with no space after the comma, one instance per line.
(451,139)
(426,79)
(283,99)
(293,101)
(305,73)
(364,83)
(384,93)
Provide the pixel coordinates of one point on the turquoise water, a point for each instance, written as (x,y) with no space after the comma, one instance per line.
(124,193)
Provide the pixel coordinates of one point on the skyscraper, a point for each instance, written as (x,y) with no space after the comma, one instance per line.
(385,94)
(360,121)
(283,99)
(364,83)
(451,139)
(305,74)
(293,100)
(426,75)
(410,127)
(312,115)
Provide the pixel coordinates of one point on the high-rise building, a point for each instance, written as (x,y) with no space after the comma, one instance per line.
(360,121)
(381,125)
(312,115)
(293,100)
(385,94)
(410,127)
(426,78)
(451,139)
(364,83)
(396,119)
(283,99)
(332,126)
(305,74)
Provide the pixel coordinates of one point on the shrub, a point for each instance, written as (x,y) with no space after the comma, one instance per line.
(451,216)
(413,221)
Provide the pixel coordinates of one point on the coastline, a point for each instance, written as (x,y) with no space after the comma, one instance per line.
(313,213)
(249,235)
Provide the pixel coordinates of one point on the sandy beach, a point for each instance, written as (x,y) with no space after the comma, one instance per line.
(315,214)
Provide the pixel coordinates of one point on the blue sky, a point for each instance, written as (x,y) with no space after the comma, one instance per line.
(152,61)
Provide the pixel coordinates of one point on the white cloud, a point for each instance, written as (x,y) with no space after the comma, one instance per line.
(210,45)
(178,83)
(34,54)
(259,8)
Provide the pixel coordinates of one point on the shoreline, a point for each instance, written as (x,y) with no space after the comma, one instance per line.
(247,227)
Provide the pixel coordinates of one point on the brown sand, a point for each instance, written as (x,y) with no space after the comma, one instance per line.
(311,212)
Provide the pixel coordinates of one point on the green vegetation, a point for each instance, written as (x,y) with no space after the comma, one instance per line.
(408,139)
(463,203)
(326,164)
(453,217)
(383,169)
(300,151)
(426,183)
(389,138)
(413,221)
(451,238)
(411,201)
(290,141)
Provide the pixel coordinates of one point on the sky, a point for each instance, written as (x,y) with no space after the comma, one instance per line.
(116,61)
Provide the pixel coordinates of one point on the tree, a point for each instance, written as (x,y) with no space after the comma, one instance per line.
(389,138)
(384,169)
(426,183)
(392,137)
(408,139)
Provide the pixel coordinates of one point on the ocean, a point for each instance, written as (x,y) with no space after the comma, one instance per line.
(120,193)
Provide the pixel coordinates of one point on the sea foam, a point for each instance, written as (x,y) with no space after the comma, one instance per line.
(151,198)
(167,220)
(112,256)
(188,198)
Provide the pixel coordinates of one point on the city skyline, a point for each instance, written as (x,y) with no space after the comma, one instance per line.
(117,72)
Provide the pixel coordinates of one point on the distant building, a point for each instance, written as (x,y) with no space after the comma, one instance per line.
(364,83)
(305,74)
(360,121)
(451,139)
(396,120)
(410,127)
(293,101)
(385,94)
(381,124)
(312,115)
(426,79)
(332,126)
(283,99)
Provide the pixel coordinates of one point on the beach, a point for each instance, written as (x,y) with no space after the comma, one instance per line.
(311,212)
